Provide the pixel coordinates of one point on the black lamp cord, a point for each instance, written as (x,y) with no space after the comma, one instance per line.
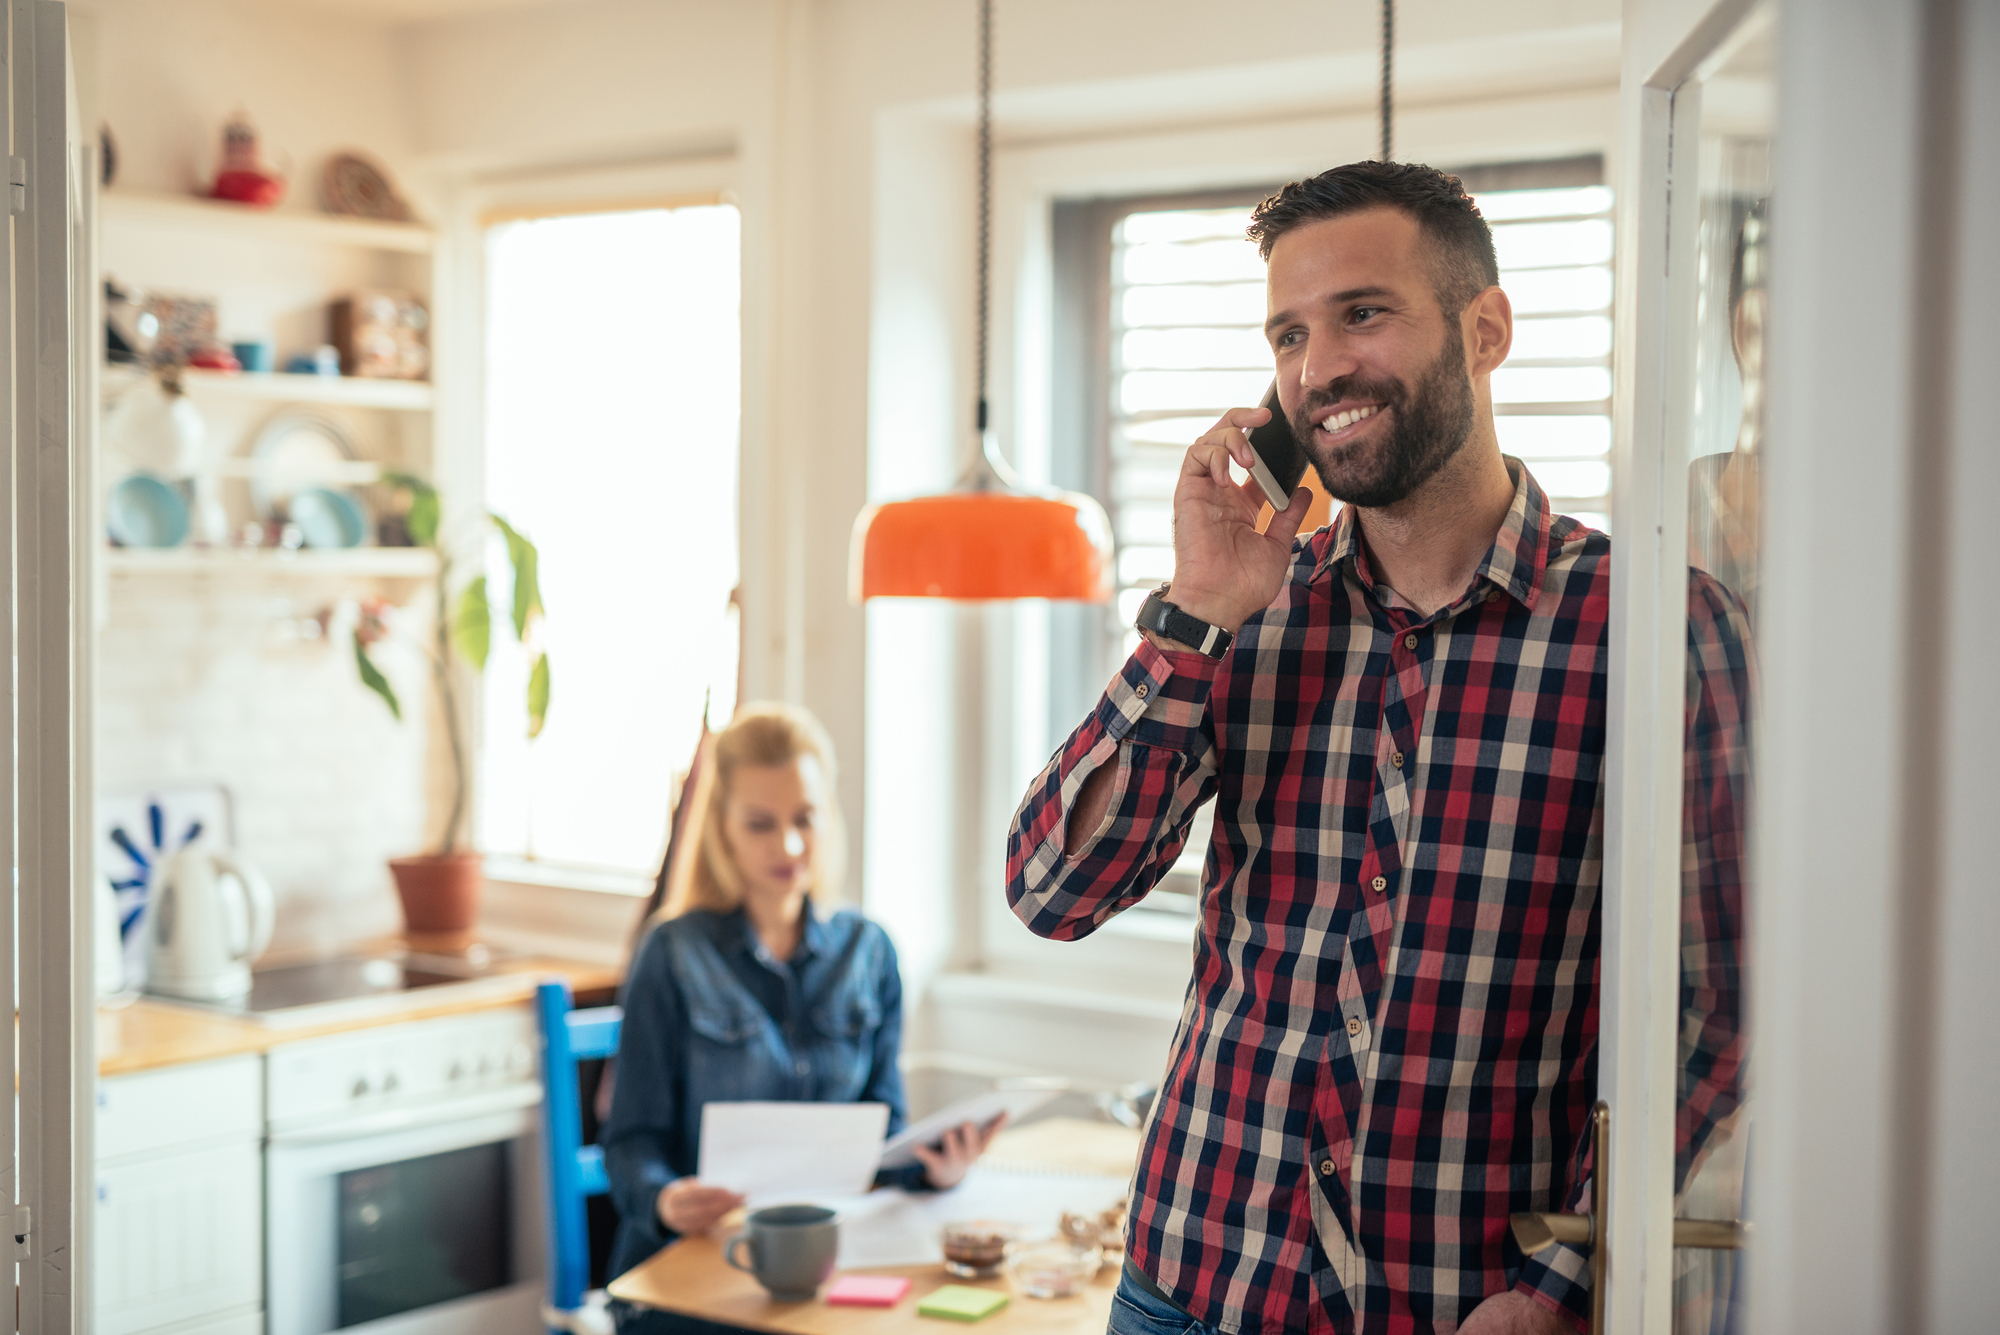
(1388,51)
(985,194)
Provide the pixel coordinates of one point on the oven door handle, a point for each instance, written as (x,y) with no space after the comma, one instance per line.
(406,1119)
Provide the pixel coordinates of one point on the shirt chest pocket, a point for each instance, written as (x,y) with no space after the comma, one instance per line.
(846,1025)
(730,1056)
(853,1016)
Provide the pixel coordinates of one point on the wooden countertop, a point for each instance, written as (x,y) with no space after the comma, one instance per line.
(147,1034)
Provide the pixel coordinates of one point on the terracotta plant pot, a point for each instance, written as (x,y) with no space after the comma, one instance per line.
(440,893)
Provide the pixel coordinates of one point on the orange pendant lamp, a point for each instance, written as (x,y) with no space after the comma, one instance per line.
(988,537)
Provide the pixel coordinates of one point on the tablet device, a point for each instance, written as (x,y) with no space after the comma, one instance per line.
(1280,462)
(1016,1100)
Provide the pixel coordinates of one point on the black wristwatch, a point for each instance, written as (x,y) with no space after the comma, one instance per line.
(1163,618)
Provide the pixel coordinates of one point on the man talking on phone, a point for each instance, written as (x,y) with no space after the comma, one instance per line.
(1389,1040)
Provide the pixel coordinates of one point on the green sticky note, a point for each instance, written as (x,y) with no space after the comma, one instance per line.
(957,1302)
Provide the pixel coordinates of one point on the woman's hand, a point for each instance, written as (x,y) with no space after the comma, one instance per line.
(688,1206)
(961,1147)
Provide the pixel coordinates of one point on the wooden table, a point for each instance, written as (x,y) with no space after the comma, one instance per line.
(691,1277)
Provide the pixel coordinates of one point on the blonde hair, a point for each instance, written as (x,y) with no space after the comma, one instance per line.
(760,735)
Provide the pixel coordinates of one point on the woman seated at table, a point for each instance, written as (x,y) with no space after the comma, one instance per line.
(754,988)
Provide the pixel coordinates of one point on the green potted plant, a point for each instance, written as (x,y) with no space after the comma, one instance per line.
(440,890)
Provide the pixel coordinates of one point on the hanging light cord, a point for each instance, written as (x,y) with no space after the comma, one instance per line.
(985,194)
(1388,52)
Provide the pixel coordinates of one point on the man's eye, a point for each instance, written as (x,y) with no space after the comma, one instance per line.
(1362,314)
(1290,338)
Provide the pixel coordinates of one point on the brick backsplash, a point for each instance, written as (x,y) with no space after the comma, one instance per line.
(223,680)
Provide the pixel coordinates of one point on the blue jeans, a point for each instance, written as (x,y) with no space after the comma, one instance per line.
(1137,1312)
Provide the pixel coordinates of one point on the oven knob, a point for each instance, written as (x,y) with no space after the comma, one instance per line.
(485,1065)
(456,1073)
(520,1059)
(360,1089)
(390,1083)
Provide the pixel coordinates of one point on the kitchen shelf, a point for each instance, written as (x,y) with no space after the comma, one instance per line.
(352,562)
(283,387)
(271,224)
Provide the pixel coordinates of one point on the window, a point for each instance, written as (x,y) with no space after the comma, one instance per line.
(612,361)
(1179,329)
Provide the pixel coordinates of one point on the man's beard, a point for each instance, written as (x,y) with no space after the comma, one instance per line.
(1431,423)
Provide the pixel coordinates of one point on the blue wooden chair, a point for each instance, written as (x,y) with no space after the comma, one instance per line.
(575,1170)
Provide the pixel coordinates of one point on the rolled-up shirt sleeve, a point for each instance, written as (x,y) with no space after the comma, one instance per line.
(1152,724)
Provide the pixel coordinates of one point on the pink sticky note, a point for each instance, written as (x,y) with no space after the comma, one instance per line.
(867,1291)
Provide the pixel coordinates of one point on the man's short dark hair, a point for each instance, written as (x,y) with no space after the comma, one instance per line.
(1464,264)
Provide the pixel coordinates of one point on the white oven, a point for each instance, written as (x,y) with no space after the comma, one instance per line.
(403,1180)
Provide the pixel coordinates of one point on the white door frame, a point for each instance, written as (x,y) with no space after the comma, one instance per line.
(1640,982)
(49,721)
(1862,851)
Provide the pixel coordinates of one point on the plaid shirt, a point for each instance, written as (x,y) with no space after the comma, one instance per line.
(1389,1040)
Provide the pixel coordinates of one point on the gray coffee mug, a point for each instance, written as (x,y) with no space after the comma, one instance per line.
(791,1249)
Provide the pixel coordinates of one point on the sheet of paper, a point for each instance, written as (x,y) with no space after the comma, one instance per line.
(781,1152)
(901,1228)
(978,1110)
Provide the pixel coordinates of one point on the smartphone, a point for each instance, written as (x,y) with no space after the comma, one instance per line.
(1280,462)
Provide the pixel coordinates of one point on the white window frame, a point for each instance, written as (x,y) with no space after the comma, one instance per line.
(473,203)
(1138,954)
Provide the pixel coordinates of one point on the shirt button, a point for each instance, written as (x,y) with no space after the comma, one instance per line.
(1409,641)
(804,1067)
(1380,883)
(1144,690)
(1396,759)
(1326,1168)
(1353,1028)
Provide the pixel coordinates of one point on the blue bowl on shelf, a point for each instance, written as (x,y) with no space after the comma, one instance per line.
(328,518)
(144,511)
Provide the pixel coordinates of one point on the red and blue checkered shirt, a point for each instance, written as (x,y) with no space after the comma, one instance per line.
(1389,1040)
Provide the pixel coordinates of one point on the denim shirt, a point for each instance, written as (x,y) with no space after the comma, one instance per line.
(711,1016)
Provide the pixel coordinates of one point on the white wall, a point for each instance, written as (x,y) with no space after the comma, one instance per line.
(170,72)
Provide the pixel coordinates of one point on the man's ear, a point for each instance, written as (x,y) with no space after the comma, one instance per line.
(1488,327)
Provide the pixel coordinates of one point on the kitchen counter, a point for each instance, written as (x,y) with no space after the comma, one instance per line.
(150,1033)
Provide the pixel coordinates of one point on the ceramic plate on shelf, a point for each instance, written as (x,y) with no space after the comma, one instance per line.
(298,448)
(143,511)
(328,518)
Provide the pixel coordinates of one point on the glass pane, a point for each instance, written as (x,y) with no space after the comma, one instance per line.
(1193,262)
(1564,340)
(1214,303)
(1551,384)
(1545,245)
(1721,458)
(1197,348)
(1539,291)
(612,351)
(423,1231)
(1554,437)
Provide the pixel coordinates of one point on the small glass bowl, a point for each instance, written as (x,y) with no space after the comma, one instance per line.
(976,1248)
(1051,1267)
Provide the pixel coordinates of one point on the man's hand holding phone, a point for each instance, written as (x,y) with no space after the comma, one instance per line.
(1225,571)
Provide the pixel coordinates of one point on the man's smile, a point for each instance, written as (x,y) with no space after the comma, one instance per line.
(1340,421)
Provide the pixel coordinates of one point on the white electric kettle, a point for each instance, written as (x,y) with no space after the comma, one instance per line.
(207,917)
